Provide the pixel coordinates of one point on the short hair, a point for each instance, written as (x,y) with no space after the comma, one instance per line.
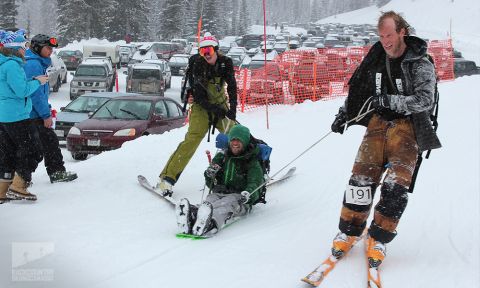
(400,22)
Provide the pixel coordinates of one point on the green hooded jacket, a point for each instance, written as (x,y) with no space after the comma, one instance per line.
(242,172)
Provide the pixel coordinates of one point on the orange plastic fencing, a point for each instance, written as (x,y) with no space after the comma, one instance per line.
(318,74)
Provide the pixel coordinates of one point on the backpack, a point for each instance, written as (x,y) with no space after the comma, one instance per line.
(263,157)
(434,110)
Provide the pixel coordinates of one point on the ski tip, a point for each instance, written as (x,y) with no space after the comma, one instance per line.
(190,236)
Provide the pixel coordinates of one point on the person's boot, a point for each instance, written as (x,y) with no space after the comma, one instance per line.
(185,219)
(18,189)
(376,252)
(3,191)
(62,176)
(204,222)
(342,243)
(164,187)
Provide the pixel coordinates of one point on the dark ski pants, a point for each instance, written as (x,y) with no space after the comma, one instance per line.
(19,150)
(390,148)
(49,146)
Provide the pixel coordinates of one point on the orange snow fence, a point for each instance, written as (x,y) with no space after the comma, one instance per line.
(318,74)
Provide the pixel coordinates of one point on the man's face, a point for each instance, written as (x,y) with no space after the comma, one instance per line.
(46,51)
(236,146)
(391,40)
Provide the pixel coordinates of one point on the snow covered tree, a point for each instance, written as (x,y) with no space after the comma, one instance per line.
(314,11)
(130,17)
(210,17)
(171,23)
(9,12)
(244,21)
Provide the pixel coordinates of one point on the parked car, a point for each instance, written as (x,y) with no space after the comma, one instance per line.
(106,60)
(57,73)
(79,109)
(145,78)
(462,67)
(178,64)
(123,119)
(103,50)
(164,50)
(142,55)
(167,73)
(126,53)
(94,77)
(71,58)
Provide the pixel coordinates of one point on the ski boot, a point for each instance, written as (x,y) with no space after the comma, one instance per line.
(186,215)
(62,176)
(204,221)
(342,243)
(376,252)
(165,187)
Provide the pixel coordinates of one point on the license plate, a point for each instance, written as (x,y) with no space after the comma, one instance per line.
(93,142)
(60,133)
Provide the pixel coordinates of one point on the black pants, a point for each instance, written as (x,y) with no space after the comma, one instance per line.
(19,150)
(49,146)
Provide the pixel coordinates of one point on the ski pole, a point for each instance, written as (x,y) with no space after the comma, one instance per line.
(209,157)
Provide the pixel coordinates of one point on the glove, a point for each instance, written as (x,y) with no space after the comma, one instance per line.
(212,170)
(380,102)
(231,114)
(245,196)
(338,125)
(217,110)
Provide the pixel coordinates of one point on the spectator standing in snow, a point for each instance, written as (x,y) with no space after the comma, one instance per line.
(37,61)
(19,152)
(401,80)
(233,178)
(210,72)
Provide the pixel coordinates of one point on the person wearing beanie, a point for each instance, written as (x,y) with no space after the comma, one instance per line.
(37,61)
(19,152)
(233,178)
(206,76)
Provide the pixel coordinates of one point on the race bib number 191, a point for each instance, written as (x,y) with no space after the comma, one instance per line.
(358,195)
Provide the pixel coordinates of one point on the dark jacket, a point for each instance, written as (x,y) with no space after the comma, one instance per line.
(239,173)
(418,83)
(201,75)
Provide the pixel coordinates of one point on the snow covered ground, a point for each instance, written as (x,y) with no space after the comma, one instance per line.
(104,230)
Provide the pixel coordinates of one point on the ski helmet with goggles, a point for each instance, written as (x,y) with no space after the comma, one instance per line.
(40,40)
(208,40)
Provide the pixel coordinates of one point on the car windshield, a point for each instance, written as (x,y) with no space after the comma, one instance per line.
(179,60)
(163,47)
(84,70)
(236,60)
(66,53)
(145,73)
(124,109)
(85,104)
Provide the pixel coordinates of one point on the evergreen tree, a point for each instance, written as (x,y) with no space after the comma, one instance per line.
(244,22)
(235,18)
(9,13)
(192,15)
(210,17)
(171,24)
(315,11)
(130,17)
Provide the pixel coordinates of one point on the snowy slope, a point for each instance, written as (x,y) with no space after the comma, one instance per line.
(108,232)
(432,19)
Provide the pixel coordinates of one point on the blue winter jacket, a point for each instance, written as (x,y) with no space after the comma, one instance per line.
(37,65)
(15,90)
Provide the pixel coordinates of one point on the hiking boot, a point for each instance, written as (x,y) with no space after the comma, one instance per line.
(376,252)
(62,176)
(184,215)
(204,221)
(164,187)
(342,243)
(3,191)
(18,190)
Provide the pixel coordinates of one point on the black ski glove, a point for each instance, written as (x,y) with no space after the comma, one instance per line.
(212,171)
(380,102)
(231,114)
(338,125)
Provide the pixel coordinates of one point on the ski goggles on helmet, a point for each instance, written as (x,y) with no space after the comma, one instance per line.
(208,50)
(53,42)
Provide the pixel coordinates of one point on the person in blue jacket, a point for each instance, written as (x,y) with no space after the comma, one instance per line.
(37,61)
(19,152)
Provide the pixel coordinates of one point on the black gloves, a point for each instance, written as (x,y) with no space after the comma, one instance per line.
(338,125)
(212,171)
(231,114)
(380,102)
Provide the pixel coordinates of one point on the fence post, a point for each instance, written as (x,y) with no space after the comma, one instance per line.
(244,91)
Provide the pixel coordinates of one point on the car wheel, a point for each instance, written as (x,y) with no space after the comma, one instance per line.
(79,156)
(65,79)
(57,85)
